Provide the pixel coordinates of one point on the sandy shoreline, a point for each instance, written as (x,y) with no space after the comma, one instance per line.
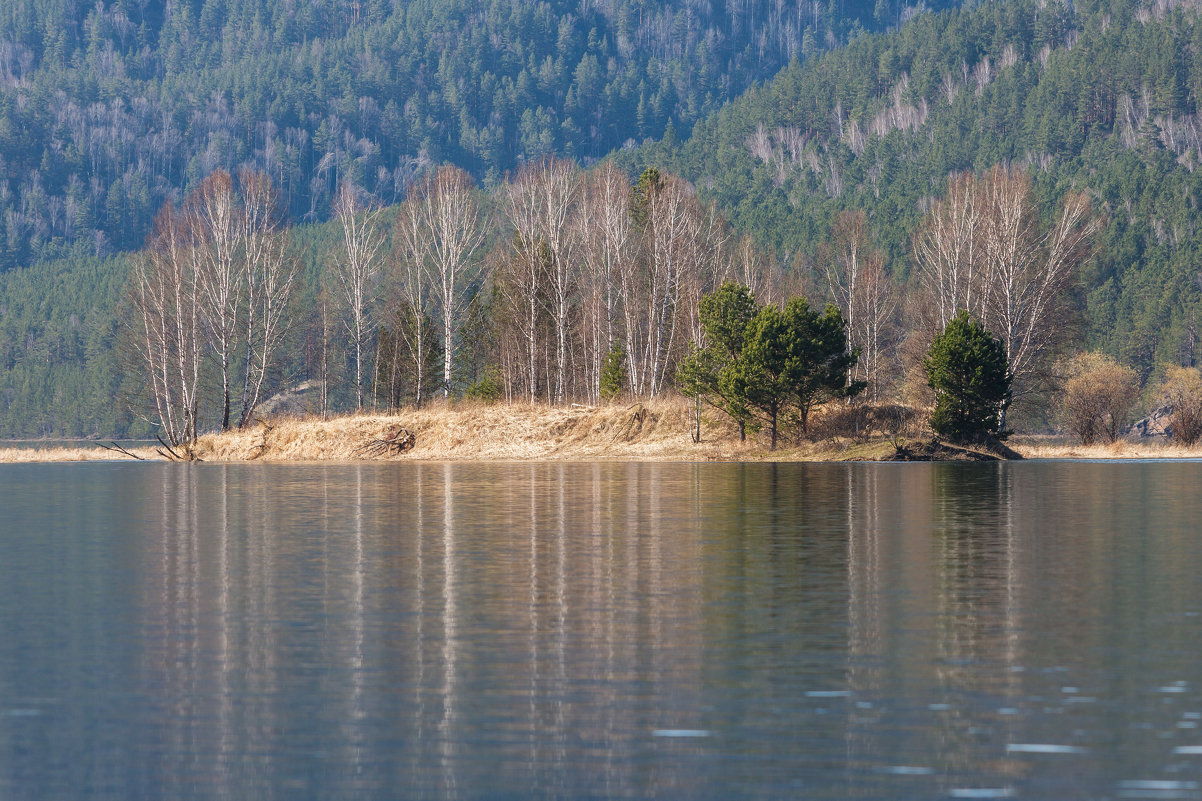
(654,431)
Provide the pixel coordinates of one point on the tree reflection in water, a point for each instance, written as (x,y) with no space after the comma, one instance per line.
(536,630)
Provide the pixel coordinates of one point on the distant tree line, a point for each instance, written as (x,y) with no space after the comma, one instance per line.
(833,167)
(570,286)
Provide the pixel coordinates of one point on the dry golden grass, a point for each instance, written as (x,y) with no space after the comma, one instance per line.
(1033,448)
(655,430)
(651,431)
(9,455)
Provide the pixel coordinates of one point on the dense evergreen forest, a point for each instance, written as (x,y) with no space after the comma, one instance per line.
(110,108)
(1097,97)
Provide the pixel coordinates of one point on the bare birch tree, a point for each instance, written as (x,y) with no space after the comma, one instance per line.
(422,273)
(165,291)
(875,302)
(749,268)
(714,264)
(358,269)
(542,201)
(560,188)
(411,246)
(945,254)
(213,278)
(212,215)
(843,259)
(269,274)
(1028,271)
(607,246)
(673,232)
(860,286)
(524,285)
(673,228)
(455,232)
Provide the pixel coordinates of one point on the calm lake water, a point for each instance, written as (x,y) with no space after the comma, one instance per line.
(512,631)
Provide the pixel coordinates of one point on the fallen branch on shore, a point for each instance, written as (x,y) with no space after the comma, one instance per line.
(396,441)
(113,447)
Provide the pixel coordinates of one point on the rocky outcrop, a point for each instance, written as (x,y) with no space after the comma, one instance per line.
(1156,424)
(297,401)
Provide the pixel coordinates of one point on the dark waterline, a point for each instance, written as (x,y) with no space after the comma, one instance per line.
(1026,630)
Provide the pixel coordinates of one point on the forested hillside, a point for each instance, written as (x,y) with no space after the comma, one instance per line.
(1097,97)
(59,370)
(109,108)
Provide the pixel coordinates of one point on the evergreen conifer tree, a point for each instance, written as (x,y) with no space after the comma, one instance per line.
(966,366)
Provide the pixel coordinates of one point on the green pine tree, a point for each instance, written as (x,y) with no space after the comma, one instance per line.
(613,373)
(967,368)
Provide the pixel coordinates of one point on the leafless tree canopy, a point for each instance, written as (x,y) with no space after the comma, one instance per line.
(437,232)
(607,244)
(864,294)
(591,269)
(358,270)
(586,269)
(214,280)
(269,276)
(165,293)
(983,249)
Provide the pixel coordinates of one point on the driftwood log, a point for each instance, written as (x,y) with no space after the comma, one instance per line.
(113,447)
(396,440)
